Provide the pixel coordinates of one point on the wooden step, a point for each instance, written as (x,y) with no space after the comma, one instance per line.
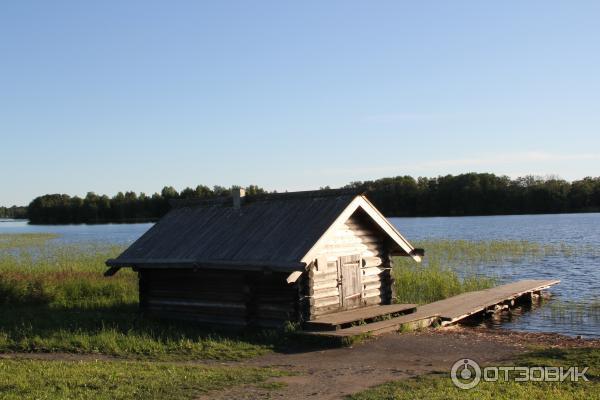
(411,321)
(339,319)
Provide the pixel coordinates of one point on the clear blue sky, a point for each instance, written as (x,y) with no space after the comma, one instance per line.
(112,96)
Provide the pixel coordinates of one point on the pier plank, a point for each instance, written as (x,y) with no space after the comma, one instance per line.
(448,311)
(458,307)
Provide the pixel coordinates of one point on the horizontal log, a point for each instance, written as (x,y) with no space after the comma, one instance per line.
(355,224)
(327,292)
(287,308)
(205,304)
(341,250)
(371,239)
(327,284)
(377,292)
(354,230)
(373,278)
(276,306)
(345,240)
(274,323)
(333,257)
(280,315)
(195,296)
(371,301)
(370,271)
(323,310)
(324,276)
(274,297)
(374,285)
(325,301)
(371,262)
(176,275)
(324,268)
(373,246)
(195,285)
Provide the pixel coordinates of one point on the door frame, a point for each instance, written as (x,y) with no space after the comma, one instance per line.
(344,260)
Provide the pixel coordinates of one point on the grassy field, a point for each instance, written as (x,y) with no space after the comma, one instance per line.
(439,386)
(424,284)
(54,298)
(114,380)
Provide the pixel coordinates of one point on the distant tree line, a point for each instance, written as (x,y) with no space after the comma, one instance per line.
(480,194)
(465,194)
(13,212)
(123,207)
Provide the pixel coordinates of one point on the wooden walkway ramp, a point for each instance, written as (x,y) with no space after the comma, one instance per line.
(447,311)
(455,308)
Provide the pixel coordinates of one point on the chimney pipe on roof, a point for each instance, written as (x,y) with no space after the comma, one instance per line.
(238,197)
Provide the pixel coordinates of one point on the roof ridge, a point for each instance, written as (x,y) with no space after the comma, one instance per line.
(304,194)
(177,203)
(225,200)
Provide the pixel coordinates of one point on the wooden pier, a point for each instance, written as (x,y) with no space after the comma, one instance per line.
(443,312)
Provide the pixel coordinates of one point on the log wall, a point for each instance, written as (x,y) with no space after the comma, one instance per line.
(233,298)
(357,236)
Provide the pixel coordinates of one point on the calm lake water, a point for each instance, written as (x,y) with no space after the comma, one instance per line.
(574,308)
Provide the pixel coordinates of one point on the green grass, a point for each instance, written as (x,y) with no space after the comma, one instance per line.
(422,284)
(114,380)
(437,278)
(55,299)
(64,276)
(438,386)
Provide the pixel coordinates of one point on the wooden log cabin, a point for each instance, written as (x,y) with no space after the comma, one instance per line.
(264,260)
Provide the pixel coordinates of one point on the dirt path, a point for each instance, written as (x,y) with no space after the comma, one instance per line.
(335,373)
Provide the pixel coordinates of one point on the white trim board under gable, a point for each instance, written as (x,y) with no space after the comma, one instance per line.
(375,215)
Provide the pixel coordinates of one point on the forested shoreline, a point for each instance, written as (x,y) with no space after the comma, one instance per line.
(15,212)
(402,196)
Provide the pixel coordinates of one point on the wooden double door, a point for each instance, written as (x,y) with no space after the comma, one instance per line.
(350,281)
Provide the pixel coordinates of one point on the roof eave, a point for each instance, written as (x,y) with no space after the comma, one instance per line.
(391,230)
(207,264)
(361,201)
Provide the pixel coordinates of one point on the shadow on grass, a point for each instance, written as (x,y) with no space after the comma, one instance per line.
(120,330)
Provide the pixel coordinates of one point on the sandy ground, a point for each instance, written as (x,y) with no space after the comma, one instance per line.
(337,372)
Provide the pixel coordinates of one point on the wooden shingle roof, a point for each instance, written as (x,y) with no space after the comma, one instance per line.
(273,231)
